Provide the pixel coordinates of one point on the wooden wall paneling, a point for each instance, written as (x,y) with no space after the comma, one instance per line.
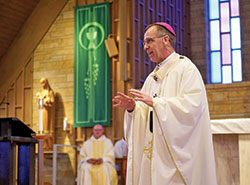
(11,100)
(98,1)
(79,135)
(2,112)
(27,93)
(108,132)
(129,83)
(3,108)
(118,85)
(27,107)
(19,96)
(119,112)
(129,41)
(28,74)
(19,112)
(113,80)
(91,1)
(15,97)
(88,132)
(80,2)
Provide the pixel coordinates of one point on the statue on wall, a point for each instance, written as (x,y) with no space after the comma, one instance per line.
(46,96)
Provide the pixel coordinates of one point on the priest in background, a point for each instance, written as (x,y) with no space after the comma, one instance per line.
(120,148)
(96,165)
(167,124)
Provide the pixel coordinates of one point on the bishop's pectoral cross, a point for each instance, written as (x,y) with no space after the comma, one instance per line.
(151,118)
(155,95)
(151,121)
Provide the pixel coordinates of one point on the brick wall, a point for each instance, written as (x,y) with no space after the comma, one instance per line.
(54,59)
(198,36)
(229,101)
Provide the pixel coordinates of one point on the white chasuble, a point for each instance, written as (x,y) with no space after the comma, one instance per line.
(103,174)
(179,150)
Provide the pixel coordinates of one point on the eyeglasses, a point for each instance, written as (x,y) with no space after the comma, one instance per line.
(150,40)
(98,130)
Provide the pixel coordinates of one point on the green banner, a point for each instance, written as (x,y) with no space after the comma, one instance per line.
(92,68)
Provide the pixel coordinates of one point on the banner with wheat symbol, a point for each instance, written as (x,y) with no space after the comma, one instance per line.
(92,68)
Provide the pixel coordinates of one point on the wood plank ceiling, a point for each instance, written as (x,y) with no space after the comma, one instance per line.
(13,15)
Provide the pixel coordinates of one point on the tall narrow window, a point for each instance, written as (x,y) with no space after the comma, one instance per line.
(225,65)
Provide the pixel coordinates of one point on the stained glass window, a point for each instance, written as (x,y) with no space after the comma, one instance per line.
(225,64)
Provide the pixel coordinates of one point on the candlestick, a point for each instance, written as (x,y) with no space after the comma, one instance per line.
(41,138)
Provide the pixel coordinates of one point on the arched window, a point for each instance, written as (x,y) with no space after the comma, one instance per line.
(225,64)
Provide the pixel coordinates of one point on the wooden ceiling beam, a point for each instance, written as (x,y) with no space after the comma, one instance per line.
(27,40)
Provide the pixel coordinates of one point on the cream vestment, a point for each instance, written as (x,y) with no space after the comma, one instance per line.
(120,148)
(103,174)
(179,150)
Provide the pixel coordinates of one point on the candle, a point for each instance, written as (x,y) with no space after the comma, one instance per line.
(40,111)
(65,123)
(40,120)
